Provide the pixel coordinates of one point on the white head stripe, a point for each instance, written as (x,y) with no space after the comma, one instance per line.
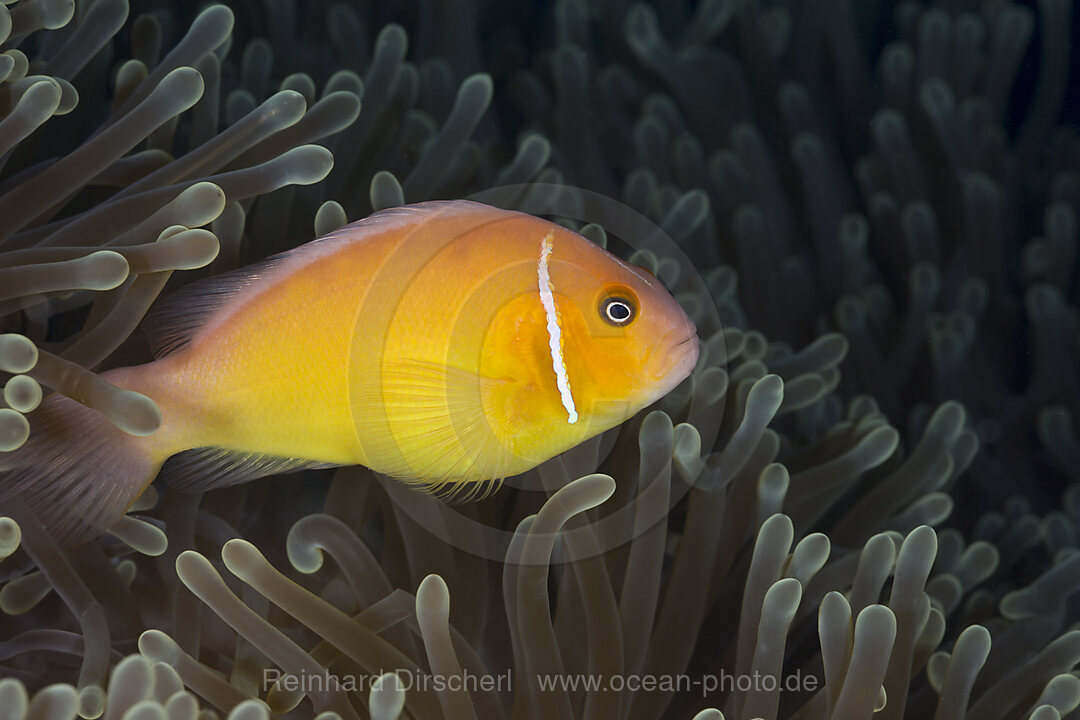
(554,330)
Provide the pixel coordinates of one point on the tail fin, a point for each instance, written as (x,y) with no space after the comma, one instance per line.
(78,473)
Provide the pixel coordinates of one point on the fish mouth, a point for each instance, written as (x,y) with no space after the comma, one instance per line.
(683,356)
(676,359)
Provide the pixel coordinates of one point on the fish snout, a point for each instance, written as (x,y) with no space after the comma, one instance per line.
(676,354)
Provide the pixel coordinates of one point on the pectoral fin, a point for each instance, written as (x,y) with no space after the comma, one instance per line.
(426,424)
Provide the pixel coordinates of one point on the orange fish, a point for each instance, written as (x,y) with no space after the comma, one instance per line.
(449,344)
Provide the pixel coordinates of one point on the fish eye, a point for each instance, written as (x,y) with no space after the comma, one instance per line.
(617,310)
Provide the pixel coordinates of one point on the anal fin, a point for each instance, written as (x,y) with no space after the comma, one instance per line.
(208,468)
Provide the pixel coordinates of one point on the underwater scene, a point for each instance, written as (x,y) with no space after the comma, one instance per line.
(606,359)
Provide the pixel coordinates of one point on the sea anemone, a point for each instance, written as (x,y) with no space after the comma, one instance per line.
(873,223)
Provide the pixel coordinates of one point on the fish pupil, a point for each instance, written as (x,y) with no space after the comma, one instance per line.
(618,311)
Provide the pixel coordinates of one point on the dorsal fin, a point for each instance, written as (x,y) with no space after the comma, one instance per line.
(173,321)
(208,468)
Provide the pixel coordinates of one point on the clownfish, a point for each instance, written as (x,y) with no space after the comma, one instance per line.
(449,344)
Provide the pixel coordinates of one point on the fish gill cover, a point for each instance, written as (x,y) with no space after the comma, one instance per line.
(873,475)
